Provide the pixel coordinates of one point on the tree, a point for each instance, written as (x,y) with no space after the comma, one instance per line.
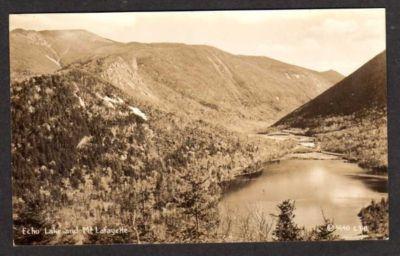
(324,232)
(32,217)
(286,229)
(96,237)
(375,218)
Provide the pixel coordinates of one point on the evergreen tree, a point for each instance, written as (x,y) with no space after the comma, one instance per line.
(375,217)
(286,229)
(31,217)
(324,232)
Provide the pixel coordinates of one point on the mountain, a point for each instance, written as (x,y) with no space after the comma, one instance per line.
(363,90)
(333,76)
(84,153)
(42,52)
(141,136)
(232,90)
(351,116)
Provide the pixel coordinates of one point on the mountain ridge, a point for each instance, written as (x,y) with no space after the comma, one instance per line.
(350,117)
(141,135)
(225,88)
(365,87)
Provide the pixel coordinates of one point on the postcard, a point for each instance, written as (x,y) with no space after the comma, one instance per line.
(199,126)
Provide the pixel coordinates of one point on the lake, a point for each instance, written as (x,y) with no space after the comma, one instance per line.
(336,188)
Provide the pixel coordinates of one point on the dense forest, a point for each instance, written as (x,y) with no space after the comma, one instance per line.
(84,154)
(82,157)
(144,137)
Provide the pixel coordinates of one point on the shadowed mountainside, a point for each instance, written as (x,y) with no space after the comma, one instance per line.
(350,117)
(362,90)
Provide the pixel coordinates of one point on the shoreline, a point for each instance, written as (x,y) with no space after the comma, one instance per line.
(244,178)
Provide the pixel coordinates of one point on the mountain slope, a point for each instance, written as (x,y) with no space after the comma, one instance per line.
(42,52)
(197,80)
(364,89)
(84,153)
(208,81)
(332,76)
(350,117)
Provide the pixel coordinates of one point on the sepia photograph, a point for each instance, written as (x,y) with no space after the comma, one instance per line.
(199,126)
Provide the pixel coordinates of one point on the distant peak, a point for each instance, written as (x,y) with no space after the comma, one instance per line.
(21,31)
(57,31)
(18,30)
(74,33)
(331,71)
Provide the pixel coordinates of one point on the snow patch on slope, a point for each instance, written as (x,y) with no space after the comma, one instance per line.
(138,113)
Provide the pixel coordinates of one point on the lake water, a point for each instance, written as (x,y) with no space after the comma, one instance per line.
(334,187)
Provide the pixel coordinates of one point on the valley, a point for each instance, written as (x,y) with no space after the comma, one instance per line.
(142,136)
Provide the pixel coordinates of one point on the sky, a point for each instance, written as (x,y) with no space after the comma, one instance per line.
(338,39)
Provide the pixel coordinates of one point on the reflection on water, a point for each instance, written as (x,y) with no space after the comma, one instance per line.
(337,188)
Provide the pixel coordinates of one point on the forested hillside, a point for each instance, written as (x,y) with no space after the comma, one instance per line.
(85,154)
(145,136)
(350,117)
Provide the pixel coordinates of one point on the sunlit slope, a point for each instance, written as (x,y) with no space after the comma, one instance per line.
(198,80)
